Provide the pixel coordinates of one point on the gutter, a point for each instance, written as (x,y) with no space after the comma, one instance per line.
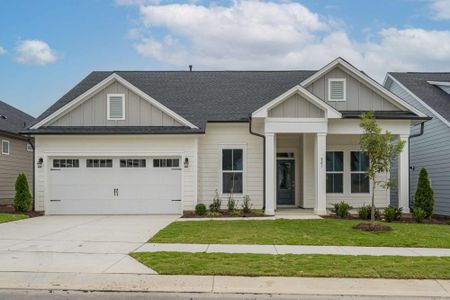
(30,141)
(264,158)
(411,168)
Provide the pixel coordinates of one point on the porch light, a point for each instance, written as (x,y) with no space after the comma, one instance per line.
(186,162)
(40,162)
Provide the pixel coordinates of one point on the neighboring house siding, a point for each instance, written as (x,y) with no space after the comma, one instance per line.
(209,161)
(359,96)
(18,161)
(93,111)
(296,107)
(431,151)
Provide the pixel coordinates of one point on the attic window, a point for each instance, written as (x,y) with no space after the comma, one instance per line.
(116,107)
(337,89)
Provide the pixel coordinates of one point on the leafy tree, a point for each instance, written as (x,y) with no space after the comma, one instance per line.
(424,197)
(381,150)
(22,199)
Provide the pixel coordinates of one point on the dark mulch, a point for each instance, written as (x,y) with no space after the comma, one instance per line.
(372,227)
(406,218)
(9,209)
(223,214)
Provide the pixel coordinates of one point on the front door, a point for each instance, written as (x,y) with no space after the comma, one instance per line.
(285,182)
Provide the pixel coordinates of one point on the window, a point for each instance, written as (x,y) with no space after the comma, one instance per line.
(337,90)
(66,163)
(166,163)
(116,107)
(359,163)
(99,163)
(335,172)
(232,171)
(133,163)
(29,148)
(5,147)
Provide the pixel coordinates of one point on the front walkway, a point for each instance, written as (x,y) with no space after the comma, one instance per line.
(294,249)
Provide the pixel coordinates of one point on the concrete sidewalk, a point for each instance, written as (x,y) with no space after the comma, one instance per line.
(294,249)
(223,284)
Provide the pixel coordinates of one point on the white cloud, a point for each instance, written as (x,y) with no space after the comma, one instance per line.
(440,9)
(2,50)
(35,52)
(278,35)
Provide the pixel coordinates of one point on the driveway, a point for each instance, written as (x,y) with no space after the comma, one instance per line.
(81,244)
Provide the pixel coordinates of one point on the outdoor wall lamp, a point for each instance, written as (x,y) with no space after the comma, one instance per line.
(40,162)
(186,162)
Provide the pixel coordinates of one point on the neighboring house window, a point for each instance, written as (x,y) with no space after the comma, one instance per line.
(5,147)
(232,171)
(99,163)
(359,163)
(66,163)
(29,148)
(116,106)
(166,163)
(335,172)
(133,163)
(337,90)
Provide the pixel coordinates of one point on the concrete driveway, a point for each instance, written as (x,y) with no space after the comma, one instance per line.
(81,244)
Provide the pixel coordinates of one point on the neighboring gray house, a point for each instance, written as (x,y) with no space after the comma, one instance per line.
(429,93)
(16,155)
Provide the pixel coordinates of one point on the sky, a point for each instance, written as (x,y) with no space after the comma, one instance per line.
(48,46)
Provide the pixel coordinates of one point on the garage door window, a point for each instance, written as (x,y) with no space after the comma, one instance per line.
(133,163)
(66,163)
(99,163)
(166,163)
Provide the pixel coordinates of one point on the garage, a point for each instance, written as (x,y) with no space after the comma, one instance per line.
(114,185)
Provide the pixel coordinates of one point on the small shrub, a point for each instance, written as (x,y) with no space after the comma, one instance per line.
(258,213)
(231,204)
(246,205)
(365,211)
(424,197)
(213,214)
(392,213)
(216,203)
(22,199)
(341,209)
(234,213)
(200,209)
(419,214)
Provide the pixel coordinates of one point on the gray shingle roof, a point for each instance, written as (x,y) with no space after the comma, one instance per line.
(432,95)
(13,120)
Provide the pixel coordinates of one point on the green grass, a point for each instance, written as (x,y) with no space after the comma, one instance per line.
(183,263)
(303,232)
(11,217)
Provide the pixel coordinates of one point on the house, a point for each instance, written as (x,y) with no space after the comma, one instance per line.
(160,142)
(16,154)
(429,93)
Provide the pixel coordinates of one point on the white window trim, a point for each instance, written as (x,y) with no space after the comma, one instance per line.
(356,172)
(223,194)
(337,172)
(29,148)
(9,147)
(344,91)
(108,107)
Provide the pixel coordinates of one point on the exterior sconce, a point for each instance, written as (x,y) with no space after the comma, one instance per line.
(186,162)
(40,162)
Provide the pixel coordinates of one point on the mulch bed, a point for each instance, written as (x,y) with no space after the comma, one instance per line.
(224,214)
(372,227)
(8,209)
(406,218)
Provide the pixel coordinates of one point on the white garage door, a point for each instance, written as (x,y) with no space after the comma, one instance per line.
(105,185)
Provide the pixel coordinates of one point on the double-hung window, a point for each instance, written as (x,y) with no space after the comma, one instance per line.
(359,163)
(232,171)
(5,147)
(335,172)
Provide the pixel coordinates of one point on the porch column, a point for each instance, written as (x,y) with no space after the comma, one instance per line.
(403,176)
(320,202)
(271,151)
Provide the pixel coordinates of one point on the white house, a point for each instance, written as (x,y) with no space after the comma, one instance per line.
(160,142)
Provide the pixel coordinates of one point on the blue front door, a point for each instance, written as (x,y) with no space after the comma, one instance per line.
(285,182)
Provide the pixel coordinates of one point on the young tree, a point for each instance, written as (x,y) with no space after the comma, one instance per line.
(424,197)
(22,199)
(381,150)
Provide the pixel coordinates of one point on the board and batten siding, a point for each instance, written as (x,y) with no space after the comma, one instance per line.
(296,107)
(359,96)
(430,151)
(20,160)
(93,111)
(217,136)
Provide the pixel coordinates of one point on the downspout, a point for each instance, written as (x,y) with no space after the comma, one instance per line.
(34,171)
(422,129)
(264,158)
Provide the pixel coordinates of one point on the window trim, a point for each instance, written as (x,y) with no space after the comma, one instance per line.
(108,105)
(29,147)
(336,172)
(242,147)
(356,172)
(344,80)
(9,147)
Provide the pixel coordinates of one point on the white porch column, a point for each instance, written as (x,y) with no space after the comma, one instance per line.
(403,176)
(271,151)
(320,202)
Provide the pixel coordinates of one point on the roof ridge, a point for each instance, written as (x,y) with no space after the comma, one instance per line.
(207,71)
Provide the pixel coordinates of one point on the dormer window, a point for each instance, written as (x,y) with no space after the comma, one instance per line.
(116,107)
(337,90)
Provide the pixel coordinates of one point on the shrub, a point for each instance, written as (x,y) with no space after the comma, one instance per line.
(419,214)
(341,209)
(216,203)
(424,197)
(200,209)
(365,211)
(22,199)
(231,204)
(258,213)
(213,214)
(392,213)
(246,205)
(234,213)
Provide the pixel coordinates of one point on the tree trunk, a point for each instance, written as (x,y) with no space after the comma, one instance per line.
(372,211)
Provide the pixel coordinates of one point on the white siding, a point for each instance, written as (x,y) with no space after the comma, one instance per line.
(296,107)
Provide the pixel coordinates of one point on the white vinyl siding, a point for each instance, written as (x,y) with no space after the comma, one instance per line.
(337,89)
(116,106)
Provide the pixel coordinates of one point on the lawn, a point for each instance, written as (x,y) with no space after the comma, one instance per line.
(11,217)
(303,232)
(183,263)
